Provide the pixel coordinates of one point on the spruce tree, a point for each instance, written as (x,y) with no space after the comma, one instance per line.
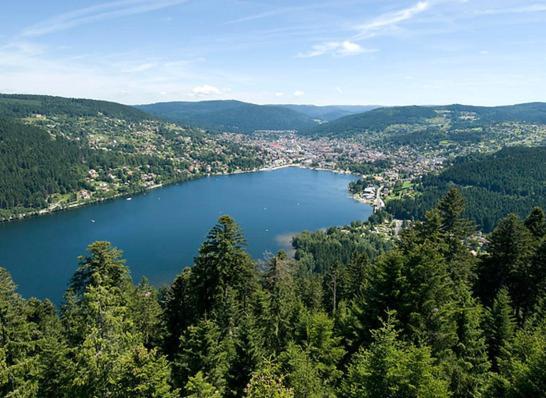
(537,275)
(178,305)
(248,355)
(536,222)
(302,375)
(283,304)
(18,360)
(469,369)
(510,251)
(199,387)
(146,311)
(54,357)
(315,334)
(392,368)
(106,345)
(500,326)
(222,264)
(203,348)
(267,383)
(522,364)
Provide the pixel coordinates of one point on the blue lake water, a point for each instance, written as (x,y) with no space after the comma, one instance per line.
(160,232)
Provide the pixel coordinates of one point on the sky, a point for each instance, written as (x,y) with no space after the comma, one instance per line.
(380,52)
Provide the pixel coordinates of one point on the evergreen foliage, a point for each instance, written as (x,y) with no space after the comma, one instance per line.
(508,181)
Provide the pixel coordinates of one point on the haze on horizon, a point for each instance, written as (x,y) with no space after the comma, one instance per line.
(481,52)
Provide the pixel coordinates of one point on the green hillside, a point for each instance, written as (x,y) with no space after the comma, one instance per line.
(436,118)
(22,105)
(232,116)
(511,180)
(58,152)
(329,112)
(33,165)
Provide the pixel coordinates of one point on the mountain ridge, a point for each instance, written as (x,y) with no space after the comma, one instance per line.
(230,115)
(455,115)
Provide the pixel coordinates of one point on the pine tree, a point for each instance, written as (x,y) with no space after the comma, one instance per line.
(267,383)
(451,208)
(393,368)
(333,286)
(54,357)
(145,374)
(18,360)
(199,387)
(537,275)
(248,355)
(385,283)
(301,373)
(105,266)
(315,334)
(283,304)
(446,226)
(146,311)
(222,264)
(522,364)
(469,369)
(356,276)
(107,348)
(510,249)
(500,326)
(178,310)
(536,223)
(427,301)
(203,348)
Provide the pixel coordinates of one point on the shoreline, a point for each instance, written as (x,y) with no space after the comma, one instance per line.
(72,206)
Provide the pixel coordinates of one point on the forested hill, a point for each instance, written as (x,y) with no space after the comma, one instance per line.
(329,112)
(450,116)
(511,180)
(33,166)
(60,152)
(22,105)
(231,115)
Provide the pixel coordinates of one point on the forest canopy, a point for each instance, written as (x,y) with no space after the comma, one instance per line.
(493,185)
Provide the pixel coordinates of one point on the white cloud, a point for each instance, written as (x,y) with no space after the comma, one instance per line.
(365,31)
(339,90)
(32,69)
(525,9)
(206,90)
(389,20)
(99,12)
(338,48)
(279,94)
(299,93)
(140,67)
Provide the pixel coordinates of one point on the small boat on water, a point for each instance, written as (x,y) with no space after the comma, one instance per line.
(129,198)
(92,220)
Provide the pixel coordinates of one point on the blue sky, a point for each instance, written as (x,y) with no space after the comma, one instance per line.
(483,52)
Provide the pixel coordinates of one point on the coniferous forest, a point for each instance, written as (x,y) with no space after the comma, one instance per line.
(493,185)
(427,316)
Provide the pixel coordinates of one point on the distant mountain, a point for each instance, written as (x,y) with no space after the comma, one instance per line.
(330,112)
(454,116)
(22,105)
(231,115)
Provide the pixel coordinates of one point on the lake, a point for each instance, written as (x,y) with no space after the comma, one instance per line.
(160,231)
